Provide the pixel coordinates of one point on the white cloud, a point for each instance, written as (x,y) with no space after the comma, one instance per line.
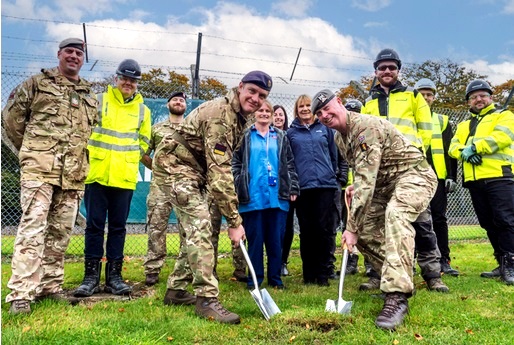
(497,73)
(509,7)
(292,8)
(225,51)
(371,5)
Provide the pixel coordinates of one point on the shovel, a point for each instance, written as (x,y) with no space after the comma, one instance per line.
(263,299)
(340,306)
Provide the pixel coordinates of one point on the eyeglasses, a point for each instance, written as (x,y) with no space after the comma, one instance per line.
(483,95)
(124,79)
(384,67)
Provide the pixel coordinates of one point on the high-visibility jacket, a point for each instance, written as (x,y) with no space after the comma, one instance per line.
(439,124)
(119,140)
(492,133)
(406,109)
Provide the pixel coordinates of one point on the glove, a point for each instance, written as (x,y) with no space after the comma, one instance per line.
(475,159)
(450,185)
(467,152)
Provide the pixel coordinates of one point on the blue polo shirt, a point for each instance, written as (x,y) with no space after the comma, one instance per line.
(263,153)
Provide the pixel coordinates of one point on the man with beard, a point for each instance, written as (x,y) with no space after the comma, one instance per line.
(196,160)
(408,111)
(158,204)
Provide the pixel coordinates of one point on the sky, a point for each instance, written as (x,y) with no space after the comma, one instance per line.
(338,39)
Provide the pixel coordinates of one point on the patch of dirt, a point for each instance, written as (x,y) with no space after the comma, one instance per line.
(139,290)
(320,325)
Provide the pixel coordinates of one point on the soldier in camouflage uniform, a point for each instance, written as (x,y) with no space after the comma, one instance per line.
(393,184)
(158,202)
(48,118)
(160,208)
(196,159)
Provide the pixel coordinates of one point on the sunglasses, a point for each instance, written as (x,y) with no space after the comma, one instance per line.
(385,67)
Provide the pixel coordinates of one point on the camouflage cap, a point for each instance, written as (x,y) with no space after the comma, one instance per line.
(72,42)
(177,94)
(258,78)
(321,99)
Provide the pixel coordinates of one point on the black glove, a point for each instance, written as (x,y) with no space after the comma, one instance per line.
(475,159)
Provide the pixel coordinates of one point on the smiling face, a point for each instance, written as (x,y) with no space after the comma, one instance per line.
(333,115)
(251,97)
(127,86)
(279,118)
(387,73)
(70,62)
(177,105)
(479,100)
(264,115)
(303,110)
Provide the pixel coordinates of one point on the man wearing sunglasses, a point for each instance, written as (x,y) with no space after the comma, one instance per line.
(485,144)
(408,111)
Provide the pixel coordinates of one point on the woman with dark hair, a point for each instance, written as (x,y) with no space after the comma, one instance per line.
(280,119)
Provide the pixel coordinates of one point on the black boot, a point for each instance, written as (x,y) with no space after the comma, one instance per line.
(507,268)
(446,268)
(352,265)
(495,273)
(369,268)
(113,281)
(91,282)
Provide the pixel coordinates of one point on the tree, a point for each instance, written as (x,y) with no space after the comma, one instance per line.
(159,84)
(211,88)
(503,91)
(356,90)
(449,77)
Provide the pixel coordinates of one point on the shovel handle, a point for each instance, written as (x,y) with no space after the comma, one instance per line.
(250,266)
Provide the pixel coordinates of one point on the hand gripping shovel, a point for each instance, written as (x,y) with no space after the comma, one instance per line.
(263,299)
(340,306)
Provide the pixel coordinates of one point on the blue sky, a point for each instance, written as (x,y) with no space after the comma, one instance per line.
(339,39)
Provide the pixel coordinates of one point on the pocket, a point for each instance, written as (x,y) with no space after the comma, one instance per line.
(91,105)
(37,155)
(132,168)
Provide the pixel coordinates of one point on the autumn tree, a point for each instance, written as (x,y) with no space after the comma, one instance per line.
(449,77)
(503,91)
(211,88)
(159,84)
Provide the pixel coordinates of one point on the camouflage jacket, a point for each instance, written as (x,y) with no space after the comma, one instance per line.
(378,155)
(49,120)
(213,131)
(159,131)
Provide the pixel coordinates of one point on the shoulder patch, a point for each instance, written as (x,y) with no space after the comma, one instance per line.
(220,149)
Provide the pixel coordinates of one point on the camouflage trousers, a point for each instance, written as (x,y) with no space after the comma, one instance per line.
(48,217)
(238,259)
(387,237)
(159,209)
(192,209)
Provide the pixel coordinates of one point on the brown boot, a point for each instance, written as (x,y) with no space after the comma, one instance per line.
(152,279)
(210,308)
(395,308)
(436,284)
(240,276)
(179,297)
(20,306)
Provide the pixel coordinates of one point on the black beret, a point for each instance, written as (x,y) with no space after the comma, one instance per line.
(321,99)
(178,94)
(72,42)
(258,78)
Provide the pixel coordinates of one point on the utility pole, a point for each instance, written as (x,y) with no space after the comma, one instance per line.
(195,69)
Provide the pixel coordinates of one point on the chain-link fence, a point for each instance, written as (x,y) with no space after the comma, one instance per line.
(461,217)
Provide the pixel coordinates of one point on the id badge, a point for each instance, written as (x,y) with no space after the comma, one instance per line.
(272,181)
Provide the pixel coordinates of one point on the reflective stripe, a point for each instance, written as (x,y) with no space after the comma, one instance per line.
(116,134)
(437,151)
(113,147)
(100,98)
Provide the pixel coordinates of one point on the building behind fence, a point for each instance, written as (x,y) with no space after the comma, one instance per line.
(460,211)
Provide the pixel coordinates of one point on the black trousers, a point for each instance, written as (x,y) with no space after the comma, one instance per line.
(493,201)
(438,206)
(316,212)
(102,202)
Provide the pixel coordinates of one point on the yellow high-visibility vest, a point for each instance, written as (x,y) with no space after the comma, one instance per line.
(119,140)
(439,124)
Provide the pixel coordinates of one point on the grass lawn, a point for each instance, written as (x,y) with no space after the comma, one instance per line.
(476,311)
